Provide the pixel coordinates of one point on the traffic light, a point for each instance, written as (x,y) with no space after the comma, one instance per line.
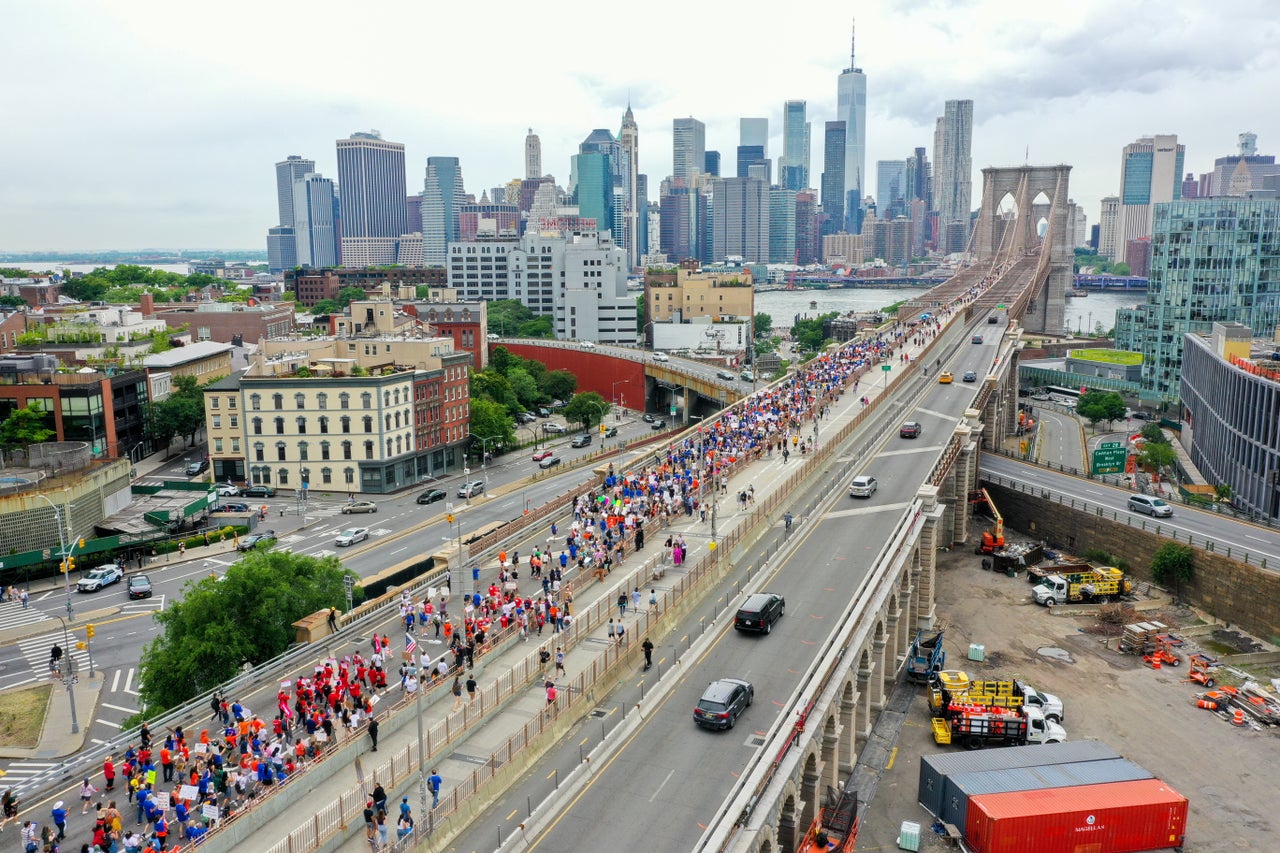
(81,543)
(80,647)
(71,564)
(89,630)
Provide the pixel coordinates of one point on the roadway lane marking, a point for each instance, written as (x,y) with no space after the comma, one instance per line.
(923,448)
(892,757)
(1258,539)
(120,709)
(115,682)
(107,723)
(865,510)
(658,789)
(938,414)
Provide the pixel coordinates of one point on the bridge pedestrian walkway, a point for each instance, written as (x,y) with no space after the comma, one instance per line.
(466,745)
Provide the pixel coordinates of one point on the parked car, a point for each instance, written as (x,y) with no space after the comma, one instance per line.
(359,506)
(945,377)
(471,490)
(611,432)
(259,492)
(198,467)
(544,412)
(658,425)
(863,486)
(759,612)
(648,418)
(550,462)
(581,440)
(352,536)
(432,496)
(233,507)
(265,538)
(587,344)
(99,577)
(723,702)
(525,418)
(977,339)
(139,586)
(555,429)
(911,429)
(970,376)
(661,356)
(228,490)
(1151,506)
(543,454)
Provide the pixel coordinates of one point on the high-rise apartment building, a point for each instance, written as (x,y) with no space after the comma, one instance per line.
(808,236)
(793,167)
(1213,260)
(851,108)
(953,184)
(919,178)
(642,214)
(371,179)
(532,156)
(688,148)
(1150,173)
(833,178)
(683,218)
(782,225)
(740,219)
(1108,220)
(442,198)
(282,249)
(315,232)
(891,188)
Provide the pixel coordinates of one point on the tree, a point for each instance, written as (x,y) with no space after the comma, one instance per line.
(491,385)
(524,386)
(491,420)
(641,317)
(247,616)
(326,306)
(26,426)
(762,325)
(1152,434)
(558,384)
(13,301)
(1157,456)
(585,408)
(1100,406)
(808,333)
(538,327)
(501,360)
(506,315)
(1173,564)
(1121,269)
(347,295)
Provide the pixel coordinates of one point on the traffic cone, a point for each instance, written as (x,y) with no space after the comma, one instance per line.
(1207,704)
(1238,719)
(1155,662)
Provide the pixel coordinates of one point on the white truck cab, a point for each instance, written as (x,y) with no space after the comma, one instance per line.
(1040,729)
(1046,703)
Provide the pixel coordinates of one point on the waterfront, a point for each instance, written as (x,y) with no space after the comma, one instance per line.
(58,266)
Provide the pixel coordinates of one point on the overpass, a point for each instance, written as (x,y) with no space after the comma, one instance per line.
(678,388)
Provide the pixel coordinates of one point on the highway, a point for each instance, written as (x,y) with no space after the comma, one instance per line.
(667,781)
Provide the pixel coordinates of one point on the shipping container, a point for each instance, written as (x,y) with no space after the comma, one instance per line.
(959,788)
(934,769)
(1120,817)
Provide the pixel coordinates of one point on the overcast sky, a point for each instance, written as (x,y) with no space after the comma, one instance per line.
(136,124)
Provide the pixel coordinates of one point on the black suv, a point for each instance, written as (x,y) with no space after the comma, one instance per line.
(432,496)
(759,612)
(723,702)
(582,440)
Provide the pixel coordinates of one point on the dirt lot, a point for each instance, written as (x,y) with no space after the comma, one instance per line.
(1231,775)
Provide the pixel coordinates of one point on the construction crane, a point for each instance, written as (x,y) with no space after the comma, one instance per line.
(993,538)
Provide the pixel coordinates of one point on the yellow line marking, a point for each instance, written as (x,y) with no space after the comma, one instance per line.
(892,757)
(513,814)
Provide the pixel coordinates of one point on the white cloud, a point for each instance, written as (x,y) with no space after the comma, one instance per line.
(147,123)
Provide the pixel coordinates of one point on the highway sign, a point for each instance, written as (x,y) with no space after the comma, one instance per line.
(1111,444)
(886,367)
(1109,460)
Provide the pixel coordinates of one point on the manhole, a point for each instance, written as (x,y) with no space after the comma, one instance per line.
(755,740)
(599,712)
(1055,653)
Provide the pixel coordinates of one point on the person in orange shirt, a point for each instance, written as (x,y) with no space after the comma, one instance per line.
(166,763)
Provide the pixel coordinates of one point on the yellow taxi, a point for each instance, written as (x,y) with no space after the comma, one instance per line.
(944,378)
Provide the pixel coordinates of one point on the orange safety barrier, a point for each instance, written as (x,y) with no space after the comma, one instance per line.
(1238,719)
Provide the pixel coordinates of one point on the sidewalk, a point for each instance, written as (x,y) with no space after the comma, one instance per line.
(511,702)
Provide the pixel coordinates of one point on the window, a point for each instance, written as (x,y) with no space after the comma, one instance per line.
(344,400)
(324,450)
(259,451)
(280,448)
(283,476)
(387,419)
(217,421)
(324,424)
(368,423)
(235,445)
(231,402)
(368,450)
(255,402)
(349,475)
(300,400)
(303,451)
(302,425)
(346,423)
(397,396)
(279,426)
(257,426)
(366,400)
(346,450)
(389,453)
(235,421)
(398,420)
(277,401)
(213,402)
(326,475)
(217,445)
(386,398)
(322,401)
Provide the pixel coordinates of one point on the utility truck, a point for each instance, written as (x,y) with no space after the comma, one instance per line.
(955,687)
(978,726)
(1100,584)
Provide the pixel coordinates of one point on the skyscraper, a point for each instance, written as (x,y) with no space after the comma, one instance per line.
(689,147)
(891,188)
(372,181)
(833,178)
(1107,222)
(629,140)
(919,177)
(711,164)
(740,219)
(288,170)
(748,156)
(442,198)
(532,156)
(851,108)
(594,171)
(953,187)
(782,225)
(793,168)
(315,232)
(754,131)
(1150,173)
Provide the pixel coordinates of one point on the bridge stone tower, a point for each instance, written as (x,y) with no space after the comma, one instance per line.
(1038,193)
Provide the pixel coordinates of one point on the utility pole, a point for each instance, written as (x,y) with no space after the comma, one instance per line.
(66,557)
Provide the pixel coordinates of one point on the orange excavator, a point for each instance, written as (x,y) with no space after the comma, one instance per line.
(993,538)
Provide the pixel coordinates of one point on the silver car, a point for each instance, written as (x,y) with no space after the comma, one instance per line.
(352,536)
(473,489)
(863,486)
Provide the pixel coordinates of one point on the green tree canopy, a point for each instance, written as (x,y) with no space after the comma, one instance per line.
(1100,406)
(326,306)
(26,426)
(13,301)
(586,408)
(558,384)
(1152,434)
(538,327)
(501,360)
(217,626)
(762,325)
(1173,565)
(492,420)
(1157,456)
(524,386)
(808,333)
(347,295)
(492,385)
(506,315)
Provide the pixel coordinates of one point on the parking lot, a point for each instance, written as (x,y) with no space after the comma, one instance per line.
(1229,774)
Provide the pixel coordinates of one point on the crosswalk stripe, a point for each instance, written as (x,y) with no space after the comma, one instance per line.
(36,651)
(12,615)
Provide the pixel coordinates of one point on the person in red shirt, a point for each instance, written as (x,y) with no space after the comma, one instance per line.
(109,773)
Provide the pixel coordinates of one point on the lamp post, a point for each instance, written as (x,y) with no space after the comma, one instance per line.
(614,387)
(71,696)
(62,540)
(484,453)
(533,432)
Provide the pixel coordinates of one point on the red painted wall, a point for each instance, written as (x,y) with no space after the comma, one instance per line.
(595,372)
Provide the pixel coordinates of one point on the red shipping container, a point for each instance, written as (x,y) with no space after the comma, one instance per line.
(1118,817)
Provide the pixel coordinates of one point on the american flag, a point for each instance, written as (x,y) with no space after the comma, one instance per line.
(410,644)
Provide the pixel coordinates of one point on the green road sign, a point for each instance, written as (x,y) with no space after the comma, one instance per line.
(1109,460)
(1111,444)
(886,367)
(1000,307)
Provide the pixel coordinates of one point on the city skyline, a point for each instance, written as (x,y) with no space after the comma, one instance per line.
(124,103)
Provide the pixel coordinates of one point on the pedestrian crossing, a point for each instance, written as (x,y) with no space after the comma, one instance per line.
(12,615)
(36,652)
(18,772)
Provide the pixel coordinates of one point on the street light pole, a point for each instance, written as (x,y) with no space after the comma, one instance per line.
(62,540)
(71,696)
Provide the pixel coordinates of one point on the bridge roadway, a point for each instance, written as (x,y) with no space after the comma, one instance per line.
(665,784)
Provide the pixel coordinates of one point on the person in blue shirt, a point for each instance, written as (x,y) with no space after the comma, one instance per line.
(433,785)
(60,819)
(405,808)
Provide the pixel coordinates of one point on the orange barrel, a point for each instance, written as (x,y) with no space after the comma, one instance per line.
(1239,718)
(1207,704)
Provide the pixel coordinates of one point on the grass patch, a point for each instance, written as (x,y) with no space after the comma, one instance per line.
(1220,649)
(1109,356)
(22,715)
